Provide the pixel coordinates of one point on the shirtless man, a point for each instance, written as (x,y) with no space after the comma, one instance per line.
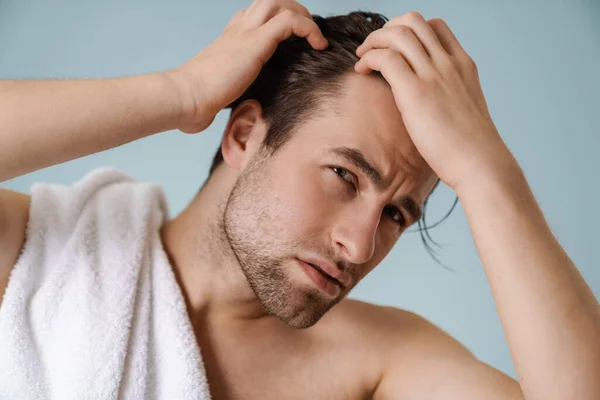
(337,192)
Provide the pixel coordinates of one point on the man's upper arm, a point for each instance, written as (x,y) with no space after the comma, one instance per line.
(14,212)
(429,364)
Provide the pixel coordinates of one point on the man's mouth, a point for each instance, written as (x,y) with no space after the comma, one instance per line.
(325,274)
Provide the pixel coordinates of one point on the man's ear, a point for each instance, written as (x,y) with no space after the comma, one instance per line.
(245,131)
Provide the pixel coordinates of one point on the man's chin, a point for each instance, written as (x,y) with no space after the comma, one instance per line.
(301,309)
(301,320)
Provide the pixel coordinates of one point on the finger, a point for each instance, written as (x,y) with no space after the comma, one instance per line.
(446,37)
(262,11)
(422,31)
(402,39)
(300,9)
(394,68)
(288,23)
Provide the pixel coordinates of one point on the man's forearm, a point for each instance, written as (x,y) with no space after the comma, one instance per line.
(550,316)
(43,123)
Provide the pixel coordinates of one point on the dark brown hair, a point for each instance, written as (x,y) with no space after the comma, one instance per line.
(298,79)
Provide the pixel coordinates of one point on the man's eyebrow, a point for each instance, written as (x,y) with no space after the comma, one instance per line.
(356,158)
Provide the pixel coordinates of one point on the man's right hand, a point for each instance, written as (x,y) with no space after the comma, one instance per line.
(221,73)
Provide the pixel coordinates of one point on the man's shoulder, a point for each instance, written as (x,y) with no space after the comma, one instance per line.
(372,316)
(414,357)
(375,317)
(401,330)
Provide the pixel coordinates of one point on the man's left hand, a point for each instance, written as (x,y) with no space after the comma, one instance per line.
(437,90)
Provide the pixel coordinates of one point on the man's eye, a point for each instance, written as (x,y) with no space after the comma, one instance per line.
(392,211)
(395,214)
(344,174)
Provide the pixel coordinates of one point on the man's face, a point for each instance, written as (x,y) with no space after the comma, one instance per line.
(317,200)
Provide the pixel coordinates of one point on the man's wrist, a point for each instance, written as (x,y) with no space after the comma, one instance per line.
(153,102)
(195,111)
(504,175)
(173,93)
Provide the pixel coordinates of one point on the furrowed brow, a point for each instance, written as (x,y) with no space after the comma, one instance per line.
(356,158)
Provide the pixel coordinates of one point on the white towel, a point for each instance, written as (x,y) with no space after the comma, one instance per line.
(92,309)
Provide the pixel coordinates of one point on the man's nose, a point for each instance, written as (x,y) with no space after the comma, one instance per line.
(355,236)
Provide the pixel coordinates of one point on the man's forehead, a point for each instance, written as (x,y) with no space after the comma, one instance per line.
(365,116)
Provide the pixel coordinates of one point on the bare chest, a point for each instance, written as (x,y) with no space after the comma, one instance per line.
(258,370)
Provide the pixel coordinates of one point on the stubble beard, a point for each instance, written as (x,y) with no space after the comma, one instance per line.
(250,226)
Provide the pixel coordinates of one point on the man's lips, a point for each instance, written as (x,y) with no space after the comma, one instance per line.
(329,269)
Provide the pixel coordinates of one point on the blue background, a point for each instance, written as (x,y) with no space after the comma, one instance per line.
(539,64)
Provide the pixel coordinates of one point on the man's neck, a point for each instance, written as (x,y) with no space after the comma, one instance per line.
(212,282)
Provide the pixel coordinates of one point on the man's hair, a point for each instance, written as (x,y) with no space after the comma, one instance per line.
(298,79)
